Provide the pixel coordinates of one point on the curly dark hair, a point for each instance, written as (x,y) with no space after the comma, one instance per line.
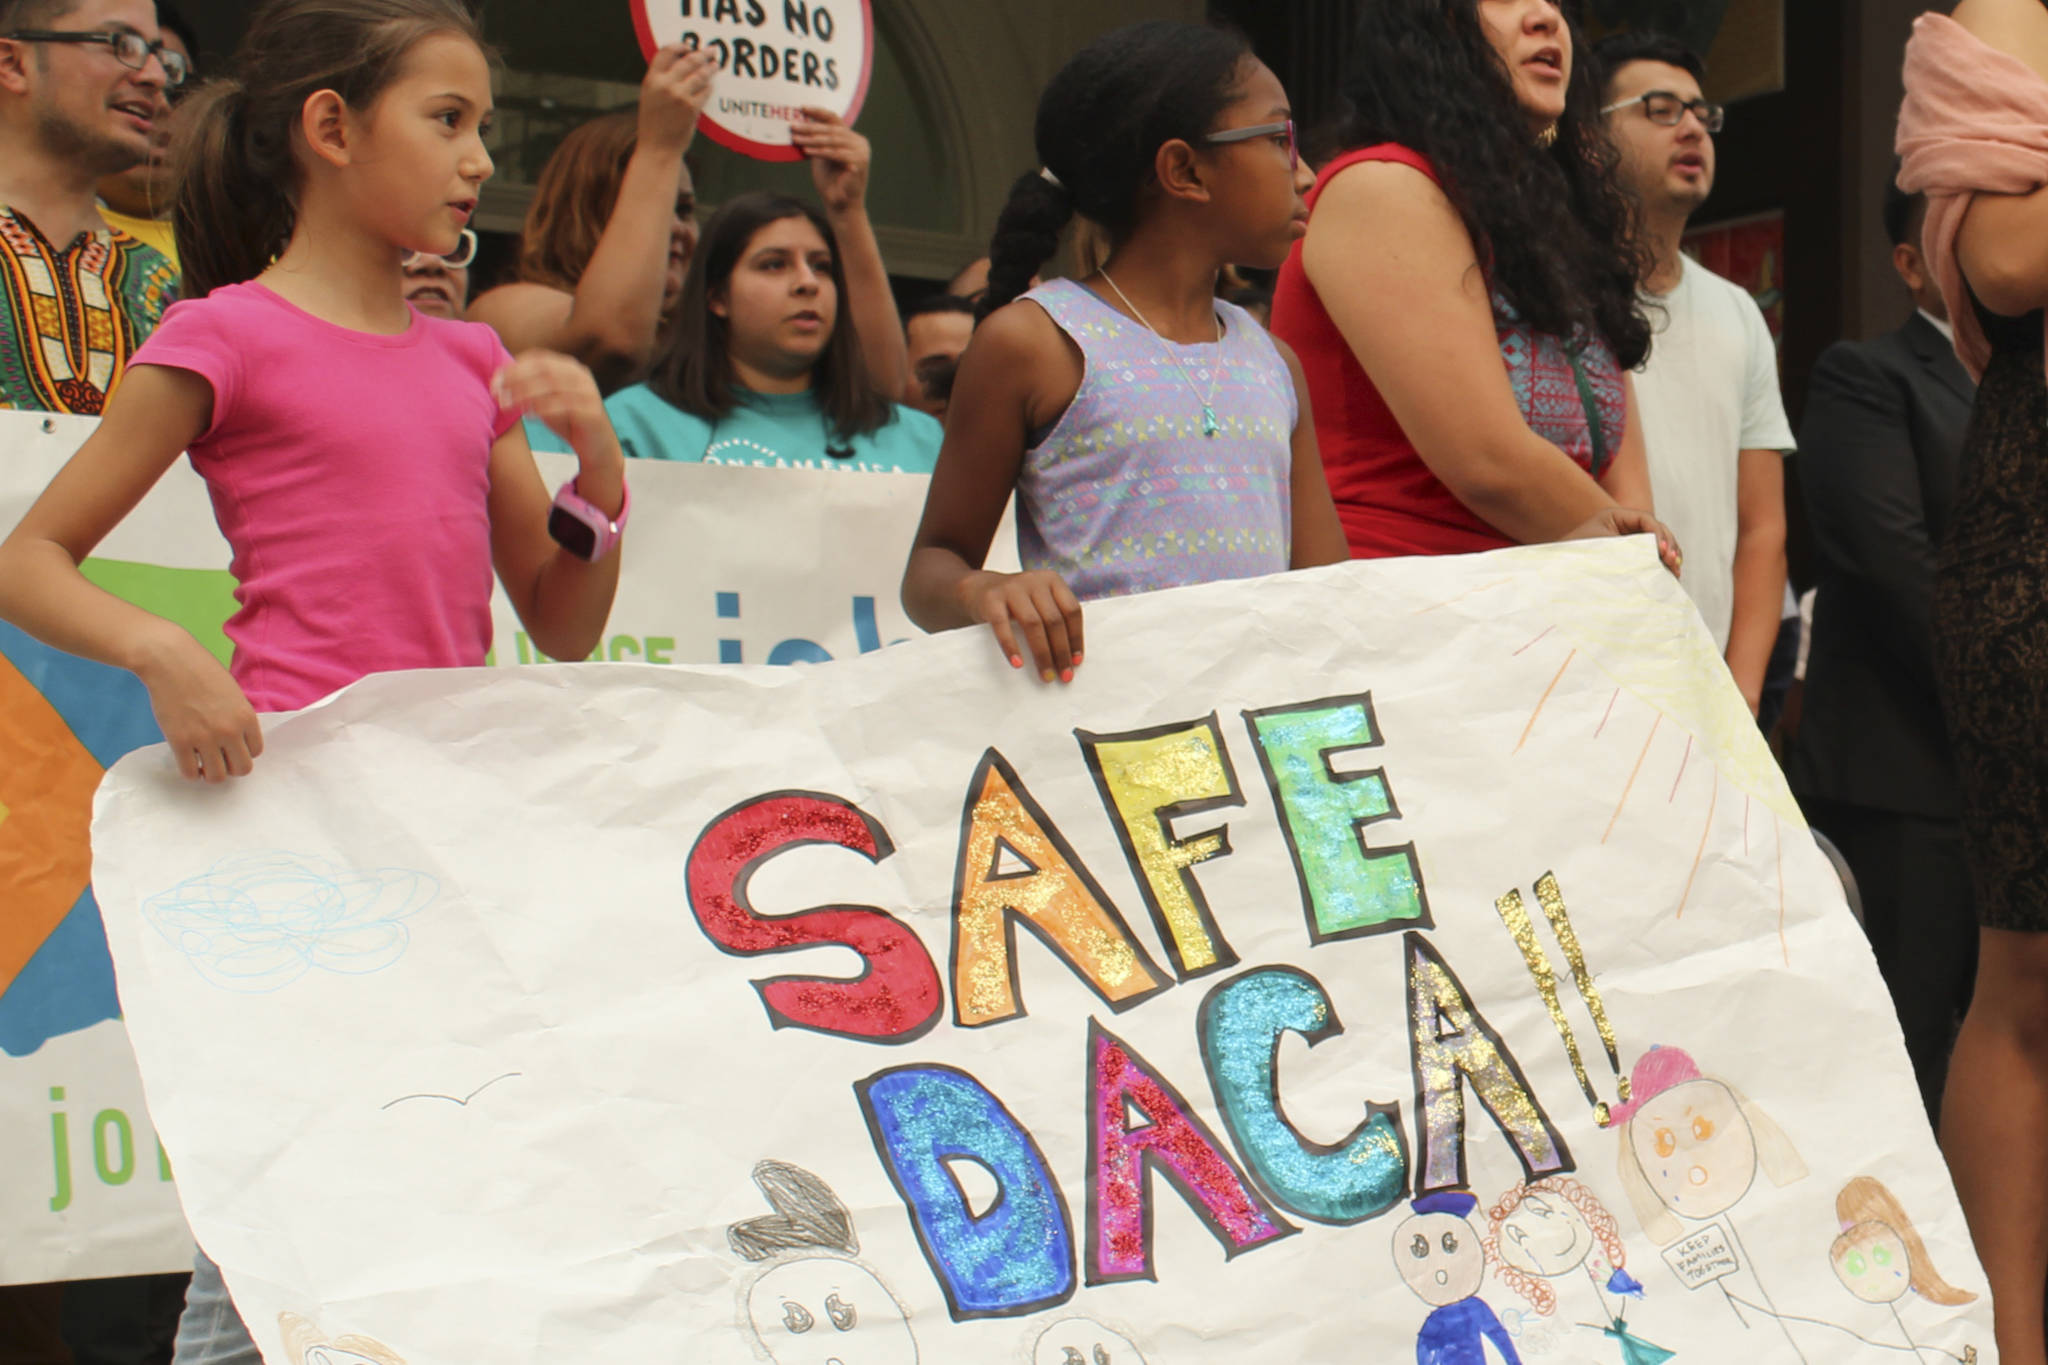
(1553,228)
(1101,121)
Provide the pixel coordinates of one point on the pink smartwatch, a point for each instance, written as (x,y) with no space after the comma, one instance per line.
(581,527)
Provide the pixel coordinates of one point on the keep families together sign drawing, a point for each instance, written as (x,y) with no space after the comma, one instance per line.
(1412,956)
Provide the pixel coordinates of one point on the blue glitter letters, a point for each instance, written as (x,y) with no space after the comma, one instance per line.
(1015,1257)
(1240,1027)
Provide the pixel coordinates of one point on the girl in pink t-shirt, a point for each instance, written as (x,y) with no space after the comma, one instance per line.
(366,462)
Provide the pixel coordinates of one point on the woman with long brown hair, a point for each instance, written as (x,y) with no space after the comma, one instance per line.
(768,365)
(610,230)
(1464,303)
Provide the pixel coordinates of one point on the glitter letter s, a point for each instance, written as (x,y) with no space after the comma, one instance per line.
(1347,888)
(1016,868)
(1451,1044)
(1148,779)
(897,998)
(1240,1027)
(1017,1256)
(1170,1137)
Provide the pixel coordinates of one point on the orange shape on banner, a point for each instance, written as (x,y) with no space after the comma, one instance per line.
(47,779)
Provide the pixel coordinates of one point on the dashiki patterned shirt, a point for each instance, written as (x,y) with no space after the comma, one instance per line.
(71,318)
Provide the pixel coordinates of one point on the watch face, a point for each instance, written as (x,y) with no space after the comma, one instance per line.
(572,533)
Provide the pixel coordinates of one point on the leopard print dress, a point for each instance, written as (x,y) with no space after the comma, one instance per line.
(1991,630)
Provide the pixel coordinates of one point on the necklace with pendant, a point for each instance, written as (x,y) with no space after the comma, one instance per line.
(1210,426)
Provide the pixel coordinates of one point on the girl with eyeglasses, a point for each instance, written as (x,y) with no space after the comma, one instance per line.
(1464,300)
(1151,434)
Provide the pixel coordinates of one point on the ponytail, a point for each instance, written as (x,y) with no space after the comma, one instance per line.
(238,176)
(232,215)
(1101,122)
(1027,236)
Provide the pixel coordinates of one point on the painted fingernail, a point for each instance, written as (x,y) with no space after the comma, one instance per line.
(1077,659)
(1047,675)
(1067,676)
(1016,662)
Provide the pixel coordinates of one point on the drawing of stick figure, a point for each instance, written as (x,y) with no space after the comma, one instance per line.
(1880,1257)
(1554,1228)
(813,1303)
(1691,1147)
(1441,1257)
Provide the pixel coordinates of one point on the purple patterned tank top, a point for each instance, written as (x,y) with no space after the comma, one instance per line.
(1126,493)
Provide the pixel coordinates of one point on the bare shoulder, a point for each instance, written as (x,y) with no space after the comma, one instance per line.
(518,311)
(1288,358)
(1375,186)
(1020,351)
(1383,197)
(1384,215)
(2019,27)
(1020,347)
(1016,330)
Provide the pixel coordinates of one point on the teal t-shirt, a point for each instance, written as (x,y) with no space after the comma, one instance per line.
(771,430)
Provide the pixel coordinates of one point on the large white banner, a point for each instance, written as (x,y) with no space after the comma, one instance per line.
(1420,956)
(753,565)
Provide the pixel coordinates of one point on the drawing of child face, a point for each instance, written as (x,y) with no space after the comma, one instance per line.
(1695,1148)
(1083,1341)
(1439,1255)
(1545,1236)
(826,1310)
(1870,1261)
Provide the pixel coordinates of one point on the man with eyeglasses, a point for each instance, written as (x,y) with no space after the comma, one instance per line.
(1712,414)
(81,82)
(138,200)
(1881,457)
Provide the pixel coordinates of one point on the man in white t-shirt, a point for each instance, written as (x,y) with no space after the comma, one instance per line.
(1712,415)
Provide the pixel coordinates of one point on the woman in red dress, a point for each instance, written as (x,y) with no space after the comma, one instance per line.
(1464,303)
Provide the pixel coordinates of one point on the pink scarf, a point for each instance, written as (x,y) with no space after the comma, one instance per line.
(1975,121)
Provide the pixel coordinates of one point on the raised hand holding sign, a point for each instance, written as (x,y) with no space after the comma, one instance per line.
(780,62)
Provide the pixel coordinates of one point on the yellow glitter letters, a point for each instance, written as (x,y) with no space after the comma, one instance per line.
(1148,779)
(1015,867)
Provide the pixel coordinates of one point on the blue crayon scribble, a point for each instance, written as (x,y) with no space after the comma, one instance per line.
(260,921)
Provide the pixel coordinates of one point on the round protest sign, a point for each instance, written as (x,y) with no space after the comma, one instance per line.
(775,57)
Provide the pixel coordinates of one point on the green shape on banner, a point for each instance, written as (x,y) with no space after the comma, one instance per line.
(200,600)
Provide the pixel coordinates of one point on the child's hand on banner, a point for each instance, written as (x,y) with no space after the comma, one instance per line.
(1037,605)
(209,724)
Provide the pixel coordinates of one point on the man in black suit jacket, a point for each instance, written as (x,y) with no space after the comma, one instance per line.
(1878,457)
